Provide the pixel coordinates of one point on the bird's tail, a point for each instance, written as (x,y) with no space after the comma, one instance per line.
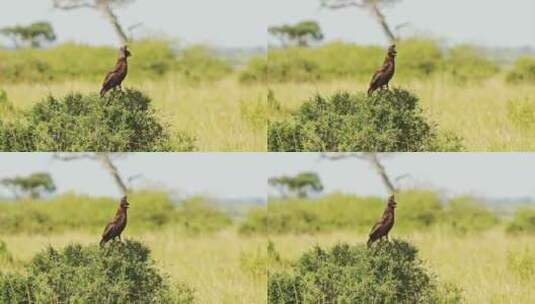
(369,243)
(370,91)
(102,242)
(102,92)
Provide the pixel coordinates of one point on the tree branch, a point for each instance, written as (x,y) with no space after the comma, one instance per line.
(71,5)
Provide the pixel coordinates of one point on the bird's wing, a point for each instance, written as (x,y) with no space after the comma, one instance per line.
(110,74)
(375,227)
(110,227)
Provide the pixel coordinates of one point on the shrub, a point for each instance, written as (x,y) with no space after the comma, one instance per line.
(466,64)
(463,214)
(418,210)
(389,272)
(117,273)
(5,256)
(389,120)
(256,70)
(523,221)
(256,221)
(523,70)
(197,63)
(117,122)
(148,211)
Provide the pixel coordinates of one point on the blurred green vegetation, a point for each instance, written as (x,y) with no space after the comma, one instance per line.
(149,210)
(417,210)
(417,58)
(523,221)
(523,70)
(151,59)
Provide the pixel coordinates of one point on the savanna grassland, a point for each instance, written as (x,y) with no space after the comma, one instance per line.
(482,265)
(194,243)
(193,90)
(488,103)
(488,257)
(215,266)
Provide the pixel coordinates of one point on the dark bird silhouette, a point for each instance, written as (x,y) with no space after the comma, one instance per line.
(382,77)
(115,78)
(117,225)
(383,226)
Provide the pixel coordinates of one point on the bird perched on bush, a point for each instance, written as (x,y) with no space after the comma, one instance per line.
(116,77)
(381,78)
(117,225)
(383,226)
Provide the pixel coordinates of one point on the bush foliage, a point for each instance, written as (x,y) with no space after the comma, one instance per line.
(119,121)
(151,59)
(417,58)
(417,210)
(389,272)
(117,273)
(523,221)
(148,211)
(523,70)
(389,120)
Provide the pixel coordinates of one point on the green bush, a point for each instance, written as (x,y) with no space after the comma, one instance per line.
(117,273)
(197,63)
(256,70)
(117,122)
(523,70)
(389,272)
(466,64)
(463,214)
(417,210)
(148,211)
(523,221)
(388,120)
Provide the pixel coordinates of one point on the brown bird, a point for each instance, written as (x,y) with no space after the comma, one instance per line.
(382,77)
(383,226)
(116,77)
(117,225)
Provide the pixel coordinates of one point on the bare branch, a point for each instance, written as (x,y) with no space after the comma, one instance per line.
(72,156)
(72,4)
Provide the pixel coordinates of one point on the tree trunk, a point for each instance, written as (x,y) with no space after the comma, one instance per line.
(106,162)
(380,18)
(378,167)
(105,10)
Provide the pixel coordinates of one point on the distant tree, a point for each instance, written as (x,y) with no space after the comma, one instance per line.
(105,7)
(33,35)
(33,186)
(301,185)
(301,34)
(374,7)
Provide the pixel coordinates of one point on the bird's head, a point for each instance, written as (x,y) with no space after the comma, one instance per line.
(124,52)
(124,203)
(391,201)
(392,51)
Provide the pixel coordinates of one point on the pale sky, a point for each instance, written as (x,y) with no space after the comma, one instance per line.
(243,23)
(226,23)
(217,175)
(245,175)
(487,175)
(504,23)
